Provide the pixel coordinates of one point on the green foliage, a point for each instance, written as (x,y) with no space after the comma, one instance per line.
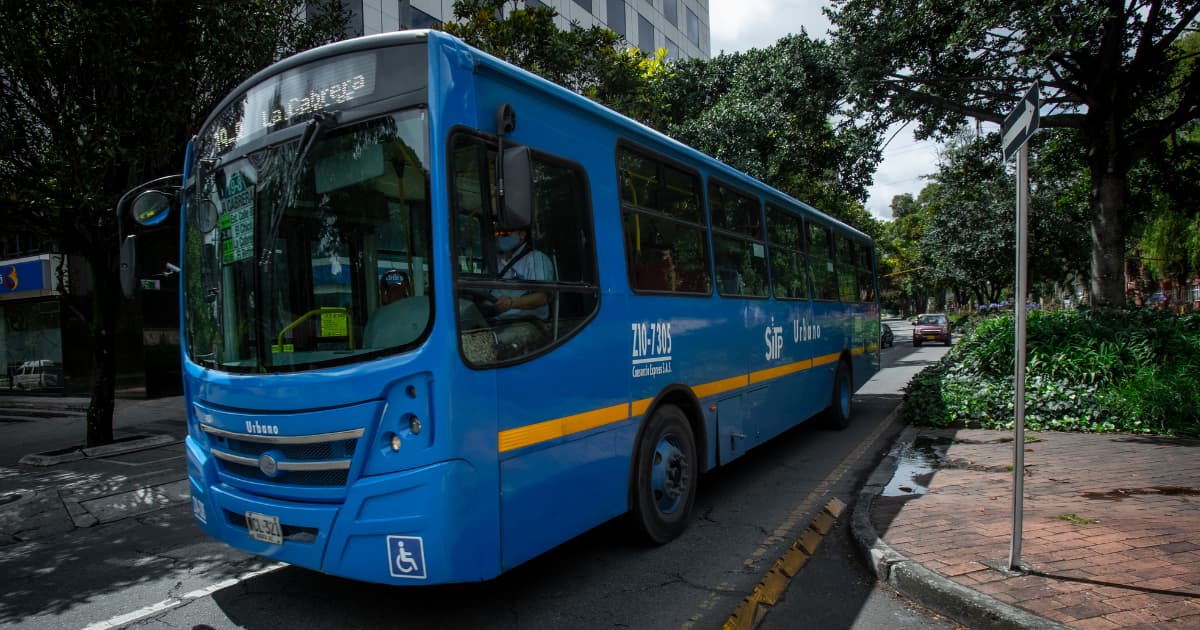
(100,95)
(591,61)
(777,113)
(1087,370)
(1120,75)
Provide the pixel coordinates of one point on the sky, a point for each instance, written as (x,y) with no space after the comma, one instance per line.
(738,25)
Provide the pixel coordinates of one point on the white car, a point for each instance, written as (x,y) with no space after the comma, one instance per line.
(39,374)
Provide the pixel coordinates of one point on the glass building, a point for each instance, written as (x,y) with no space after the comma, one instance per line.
(680,26)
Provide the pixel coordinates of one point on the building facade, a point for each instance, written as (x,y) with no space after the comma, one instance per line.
(679,26)
(44,302)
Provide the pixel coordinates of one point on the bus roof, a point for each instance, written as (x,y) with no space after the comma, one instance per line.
(640,133)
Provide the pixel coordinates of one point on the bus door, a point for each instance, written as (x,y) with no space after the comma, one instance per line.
(527,292)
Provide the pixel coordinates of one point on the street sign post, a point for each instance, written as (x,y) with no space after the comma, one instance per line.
(1020,123)
(1018,126)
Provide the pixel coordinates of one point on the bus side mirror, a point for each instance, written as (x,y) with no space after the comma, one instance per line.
(128,265)
(151,207)
(516,211)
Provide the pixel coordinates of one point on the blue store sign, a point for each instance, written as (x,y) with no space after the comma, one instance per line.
(25,277)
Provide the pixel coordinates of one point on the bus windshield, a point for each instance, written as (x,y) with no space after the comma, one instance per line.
(311,252)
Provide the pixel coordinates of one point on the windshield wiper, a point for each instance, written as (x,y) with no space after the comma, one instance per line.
(314,129)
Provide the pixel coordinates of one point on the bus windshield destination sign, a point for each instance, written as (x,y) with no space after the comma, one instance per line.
(289,97)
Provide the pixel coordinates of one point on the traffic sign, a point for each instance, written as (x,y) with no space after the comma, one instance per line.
(1020,124)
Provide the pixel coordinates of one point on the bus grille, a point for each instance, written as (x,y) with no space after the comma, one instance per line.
(321,460)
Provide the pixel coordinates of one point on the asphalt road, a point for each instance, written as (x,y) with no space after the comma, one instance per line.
(159,571)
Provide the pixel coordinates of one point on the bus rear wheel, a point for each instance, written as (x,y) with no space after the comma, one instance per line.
(665,477)
(837,415)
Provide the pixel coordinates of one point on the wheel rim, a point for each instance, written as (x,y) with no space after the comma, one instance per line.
(669,477)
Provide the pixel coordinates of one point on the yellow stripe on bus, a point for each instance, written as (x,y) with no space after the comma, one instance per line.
(783,370)
(521,437)
(826,359)
(721,386)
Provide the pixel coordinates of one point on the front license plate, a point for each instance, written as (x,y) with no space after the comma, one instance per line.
(264,527)
(931,336)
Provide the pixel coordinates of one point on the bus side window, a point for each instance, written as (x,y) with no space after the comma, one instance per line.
(666,240)
(522,289)
(789,268)
(847,274)
(820,262)
(866,272)
(739,249)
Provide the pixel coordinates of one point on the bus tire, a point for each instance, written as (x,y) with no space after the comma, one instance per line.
(666,476)
(837,415)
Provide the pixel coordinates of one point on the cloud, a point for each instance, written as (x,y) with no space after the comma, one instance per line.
(737,25)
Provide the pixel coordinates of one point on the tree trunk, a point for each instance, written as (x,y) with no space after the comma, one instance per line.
(105,308)
(1108,233)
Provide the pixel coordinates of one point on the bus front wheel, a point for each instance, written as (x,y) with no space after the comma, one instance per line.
(837,416)
(665,480)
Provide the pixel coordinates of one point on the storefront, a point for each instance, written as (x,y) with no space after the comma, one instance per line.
(31,343)
(45,348)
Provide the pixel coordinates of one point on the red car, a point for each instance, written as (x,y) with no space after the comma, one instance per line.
(931,327)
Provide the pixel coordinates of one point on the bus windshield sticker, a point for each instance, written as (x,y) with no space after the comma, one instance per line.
(651,348)
(237,221)
(334,324)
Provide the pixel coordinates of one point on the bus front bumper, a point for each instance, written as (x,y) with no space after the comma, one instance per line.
(418,526)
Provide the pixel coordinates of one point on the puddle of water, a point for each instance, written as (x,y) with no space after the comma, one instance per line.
(915,465)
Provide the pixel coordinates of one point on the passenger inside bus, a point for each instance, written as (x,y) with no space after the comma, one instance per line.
(401,317)
(394,285)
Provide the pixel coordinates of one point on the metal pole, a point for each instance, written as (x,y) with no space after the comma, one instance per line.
(1014,554)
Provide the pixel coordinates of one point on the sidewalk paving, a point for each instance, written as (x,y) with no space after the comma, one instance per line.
(63,486)
(1111,534)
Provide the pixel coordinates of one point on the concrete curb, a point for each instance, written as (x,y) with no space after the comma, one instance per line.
(928,587)
(129,445)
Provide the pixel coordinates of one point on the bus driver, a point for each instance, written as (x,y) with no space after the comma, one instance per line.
(518,260)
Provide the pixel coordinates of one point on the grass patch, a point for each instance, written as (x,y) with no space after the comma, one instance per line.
(1098,370)
(1077,519)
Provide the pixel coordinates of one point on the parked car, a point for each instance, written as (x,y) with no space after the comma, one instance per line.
(886,338)
(931,327)
(39,374)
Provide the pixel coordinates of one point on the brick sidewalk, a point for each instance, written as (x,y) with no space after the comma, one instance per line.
(1111,524)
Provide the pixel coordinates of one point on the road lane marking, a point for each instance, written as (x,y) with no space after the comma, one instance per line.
(175,602)
(790,523)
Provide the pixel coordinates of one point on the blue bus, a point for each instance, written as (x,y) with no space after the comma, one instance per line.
(440,315)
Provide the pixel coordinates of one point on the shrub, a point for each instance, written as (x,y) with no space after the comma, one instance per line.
(1087,370)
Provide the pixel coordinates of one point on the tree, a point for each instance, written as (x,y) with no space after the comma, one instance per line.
(777,113)
(99,95)
(594,61)
(1111,70)
(968,236)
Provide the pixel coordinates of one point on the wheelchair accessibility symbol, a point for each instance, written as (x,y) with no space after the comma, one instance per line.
(406,557)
